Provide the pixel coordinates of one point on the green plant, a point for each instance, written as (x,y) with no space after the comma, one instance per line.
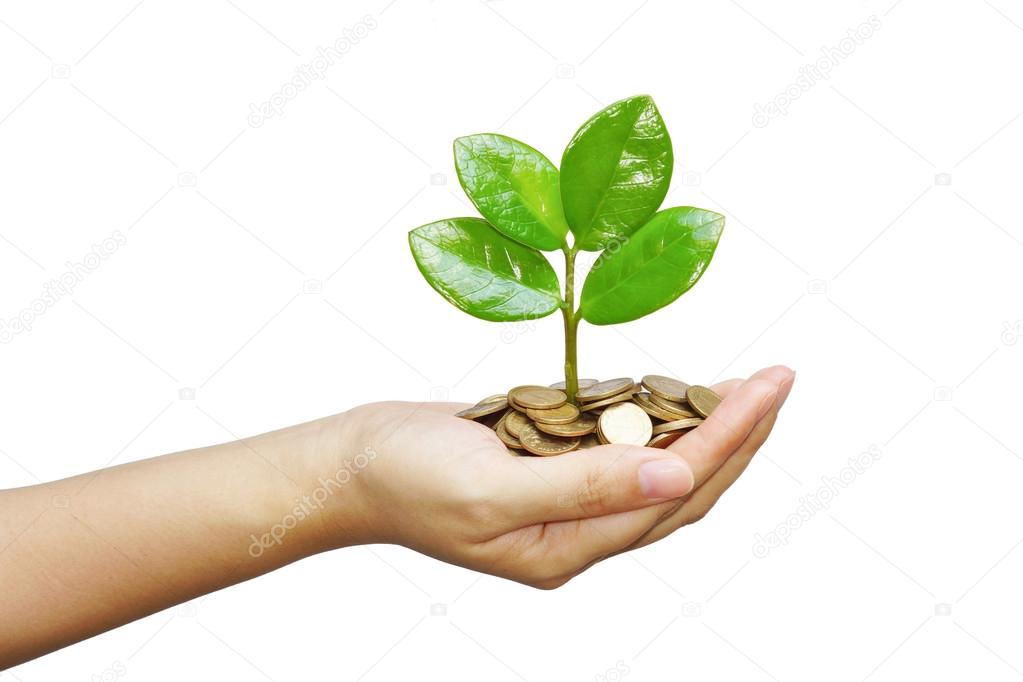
(614,175)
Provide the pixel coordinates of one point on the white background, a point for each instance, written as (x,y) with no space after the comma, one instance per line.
(873,243)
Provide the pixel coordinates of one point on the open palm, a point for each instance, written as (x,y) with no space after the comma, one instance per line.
(449,488)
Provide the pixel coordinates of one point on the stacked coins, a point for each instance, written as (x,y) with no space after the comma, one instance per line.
(540,420)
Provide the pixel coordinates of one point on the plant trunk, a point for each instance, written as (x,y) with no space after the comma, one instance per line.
(571,316)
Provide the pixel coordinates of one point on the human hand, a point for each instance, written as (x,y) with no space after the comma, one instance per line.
(405,473)
(449,488)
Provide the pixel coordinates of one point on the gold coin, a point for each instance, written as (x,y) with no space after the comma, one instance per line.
(666,387)
(680,409)
(625,423)
(702,399)
(645,401)
(523,386)
(512,392)
(605,389)
(491,420)
(597,404)
(482,409)
(582,426)
(559,415)
(538,397)
(514,422)
(590,440)
(496,398)
(677,425)
(539,443)
(502,432)
(663,440)
(583,383)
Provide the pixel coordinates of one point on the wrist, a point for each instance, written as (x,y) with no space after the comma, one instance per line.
(317,504)
(331,498)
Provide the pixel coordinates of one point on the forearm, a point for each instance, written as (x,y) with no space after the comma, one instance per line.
(111,546)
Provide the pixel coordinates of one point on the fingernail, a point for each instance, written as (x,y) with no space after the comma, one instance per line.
(785,389)
(665,479)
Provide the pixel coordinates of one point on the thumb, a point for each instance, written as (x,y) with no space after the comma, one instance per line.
(594,482)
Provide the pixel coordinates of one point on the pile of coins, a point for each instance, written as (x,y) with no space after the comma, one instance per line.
(540,420)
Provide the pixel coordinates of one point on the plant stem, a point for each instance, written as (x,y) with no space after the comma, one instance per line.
(571,316)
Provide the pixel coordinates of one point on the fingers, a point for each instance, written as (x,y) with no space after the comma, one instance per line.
(546,555)
(570,547)
(702,499)
(670,516)
(560,549)
(615,478)
(588,491)
(725,388)
(783,377)
(707,446)
(699,503)
(598,538)
(773,373)
(585,483)
(696,505)
(626,531)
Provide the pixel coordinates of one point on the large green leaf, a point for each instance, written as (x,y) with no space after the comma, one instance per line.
(657,264)
(483,272)
(615,172)
(514,186)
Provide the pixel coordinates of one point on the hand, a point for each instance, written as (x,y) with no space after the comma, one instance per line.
(448,487)
(407,473)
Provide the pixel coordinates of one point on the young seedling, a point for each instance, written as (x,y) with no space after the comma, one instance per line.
(614,175)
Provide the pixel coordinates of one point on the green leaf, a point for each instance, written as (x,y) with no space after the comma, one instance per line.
(659,263)
(514,186)
(615,172)
(483,272)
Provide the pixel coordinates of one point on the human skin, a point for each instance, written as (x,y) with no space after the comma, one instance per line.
(85,554)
